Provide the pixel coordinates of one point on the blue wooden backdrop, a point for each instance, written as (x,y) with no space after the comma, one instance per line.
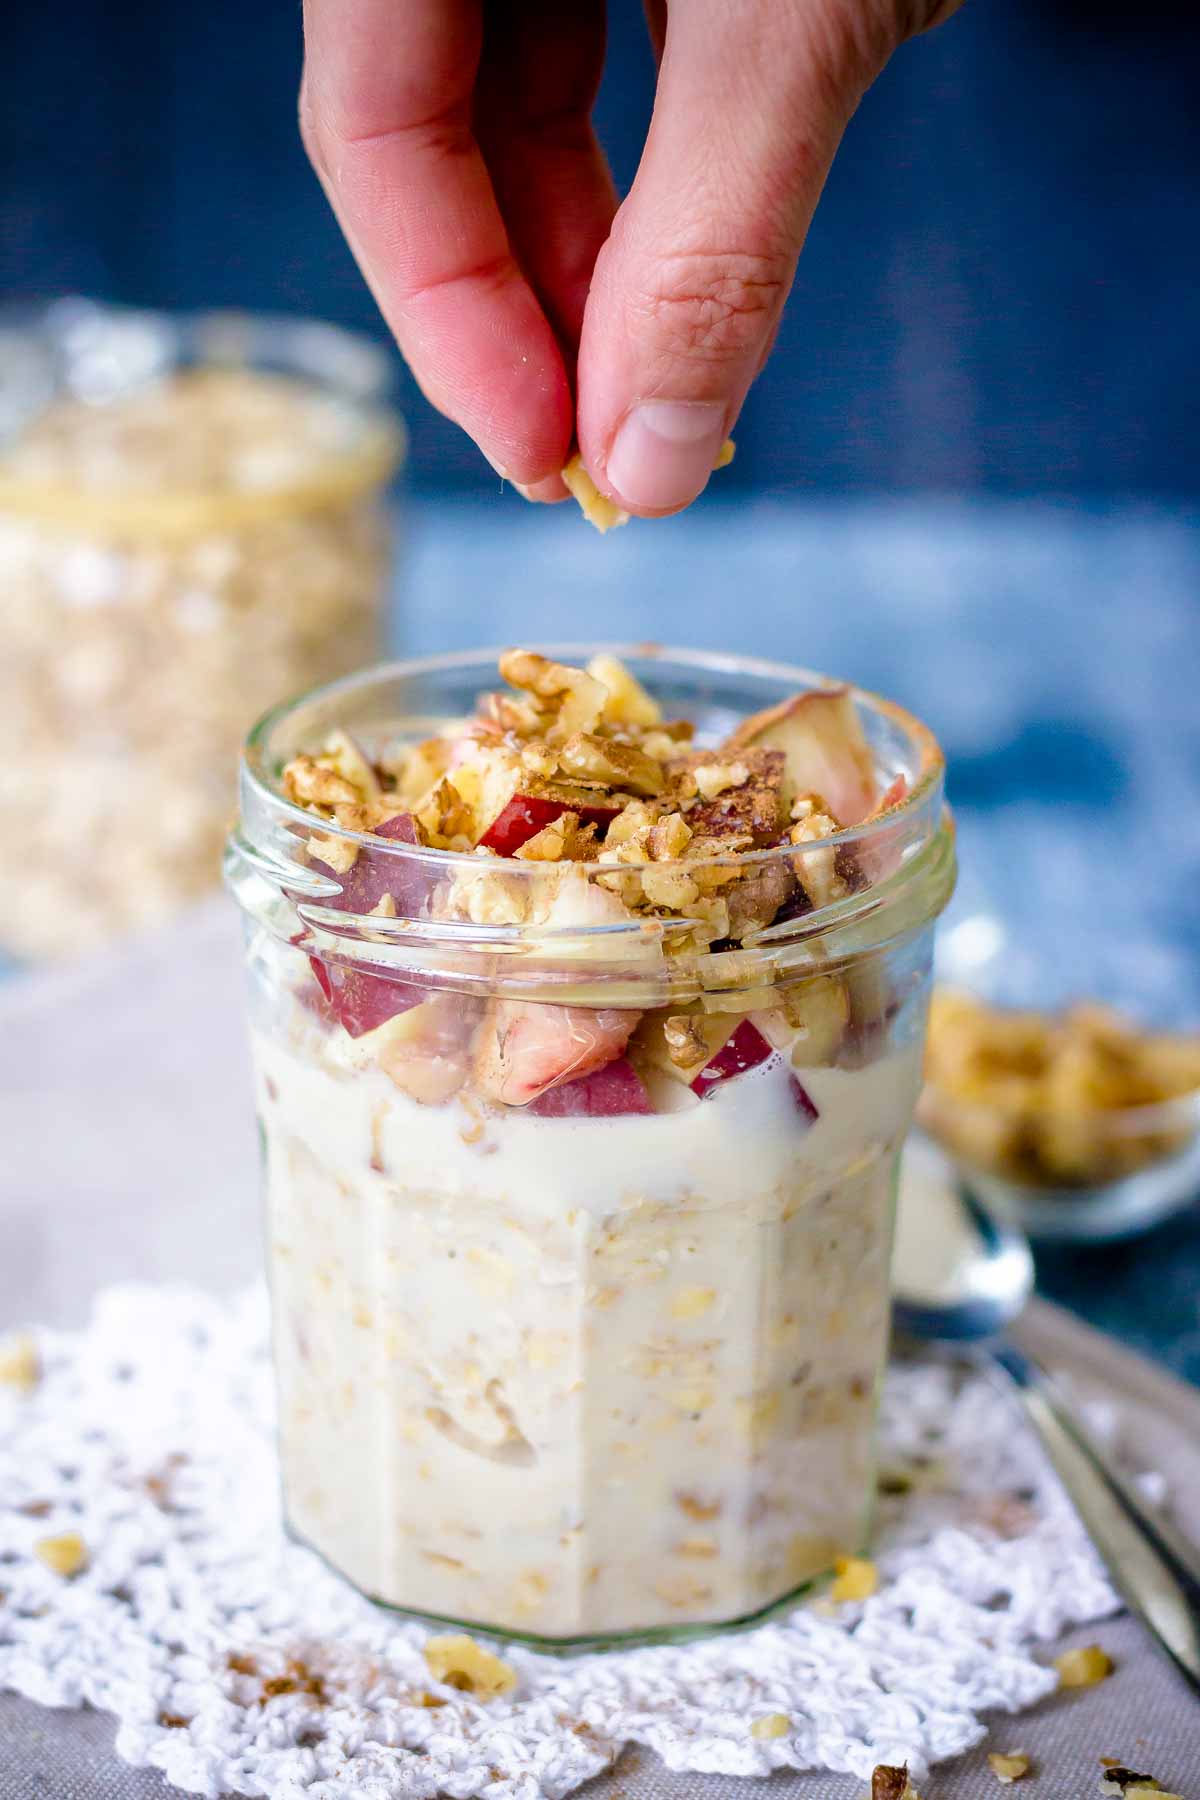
(1000,291)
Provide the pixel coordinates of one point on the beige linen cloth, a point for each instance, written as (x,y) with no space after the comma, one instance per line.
(128,1151)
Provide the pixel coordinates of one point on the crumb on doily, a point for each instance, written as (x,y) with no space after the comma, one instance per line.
(1084,1667)
(66,1554)
(173,1721)
(297,1678)
(1008,1765)
(854,1579)
(462,1663)
(771,1725)
(20,1364)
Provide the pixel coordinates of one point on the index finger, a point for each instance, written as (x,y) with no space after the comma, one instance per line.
(386,117)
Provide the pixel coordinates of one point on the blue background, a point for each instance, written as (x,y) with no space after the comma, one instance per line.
(999,292)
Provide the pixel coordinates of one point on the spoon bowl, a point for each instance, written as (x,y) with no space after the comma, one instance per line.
(957,1273)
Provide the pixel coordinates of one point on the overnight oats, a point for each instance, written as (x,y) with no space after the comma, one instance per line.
(587,1017)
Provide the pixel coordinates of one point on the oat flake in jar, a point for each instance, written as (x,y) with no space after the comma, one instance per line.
(190,529)
(587,1016)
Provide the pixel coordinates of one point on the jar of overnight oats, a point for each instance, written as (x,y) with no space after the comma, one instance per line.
(587,1016)
(189,527)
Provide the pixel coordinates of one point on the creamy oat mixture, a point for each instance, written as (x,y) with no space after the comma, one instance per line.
(172,562)
(580,1308)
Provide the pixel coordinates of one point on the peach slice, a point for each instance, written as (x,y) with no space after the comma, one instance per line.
(526,1047)
(825,750)
(746,1049)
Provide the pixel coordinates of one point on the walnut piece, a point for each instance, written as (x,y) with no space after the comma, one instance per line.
(576,698)
(1037,1097)
(734,813)
(589,758)
(596,507)
(891,1783)
(1117,1779)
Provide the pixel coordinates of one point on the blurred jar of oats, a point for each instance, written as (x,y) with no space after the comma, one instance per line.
(191,529)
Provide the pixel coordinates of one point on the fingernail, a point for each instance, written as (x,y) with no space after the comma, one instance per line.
(664,452)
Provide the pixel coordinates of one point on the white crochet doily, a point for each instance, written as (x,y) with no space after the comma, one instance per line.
(150,1436)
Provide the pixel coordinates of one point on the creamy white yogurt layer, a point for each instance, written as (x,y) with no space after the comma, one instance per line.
(579,1376)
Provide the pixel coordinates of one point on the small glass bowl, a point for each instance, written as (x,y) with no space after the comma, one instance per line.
(1127,1202)
(1145,1159)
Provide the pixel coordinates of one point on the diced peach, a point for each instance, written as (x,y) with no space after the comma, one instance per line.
(525,1047)
(425,1051)
(615,1089)
(746,1049)
(809,1022)
(526,814)
(824,746)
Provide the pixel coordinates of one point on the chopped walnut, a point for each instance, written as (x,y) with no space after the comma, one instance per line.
(669,889)
(891,1783)
(1039,1098)
(818,871)
(577,699)
(627,701)
(563,840)
(747,809)
(66,1554)
(349,760)
(713,779)
(693,1039)
(596,507)
(446,819)
(337,853)
(462,1663)
(589,758)
(1009,1766)
(20,1365)
(309,782)
(667,840)
(1084,1667)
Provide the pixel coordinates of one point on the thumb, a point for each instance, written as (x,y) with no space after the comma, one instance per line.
(753,96)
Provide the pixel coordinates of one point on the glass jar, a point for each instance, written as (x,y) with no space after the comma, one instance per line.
(590,1370)
(190,529)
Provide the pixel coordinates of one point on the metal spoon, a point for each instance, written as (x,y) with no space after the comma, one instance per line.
(959,1276)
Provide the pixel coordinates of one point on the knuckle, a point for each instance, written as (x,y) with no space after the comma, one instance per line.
(713,306)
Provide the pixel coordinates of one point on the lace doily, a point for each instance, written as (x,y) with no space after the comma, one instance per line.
(237,1663)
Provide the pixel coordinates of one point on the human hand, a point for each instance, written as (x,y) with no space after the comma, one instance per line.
(454,141)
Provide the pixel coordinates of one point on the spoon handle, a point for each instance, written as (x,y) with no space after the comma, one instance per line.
(1154,1569)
